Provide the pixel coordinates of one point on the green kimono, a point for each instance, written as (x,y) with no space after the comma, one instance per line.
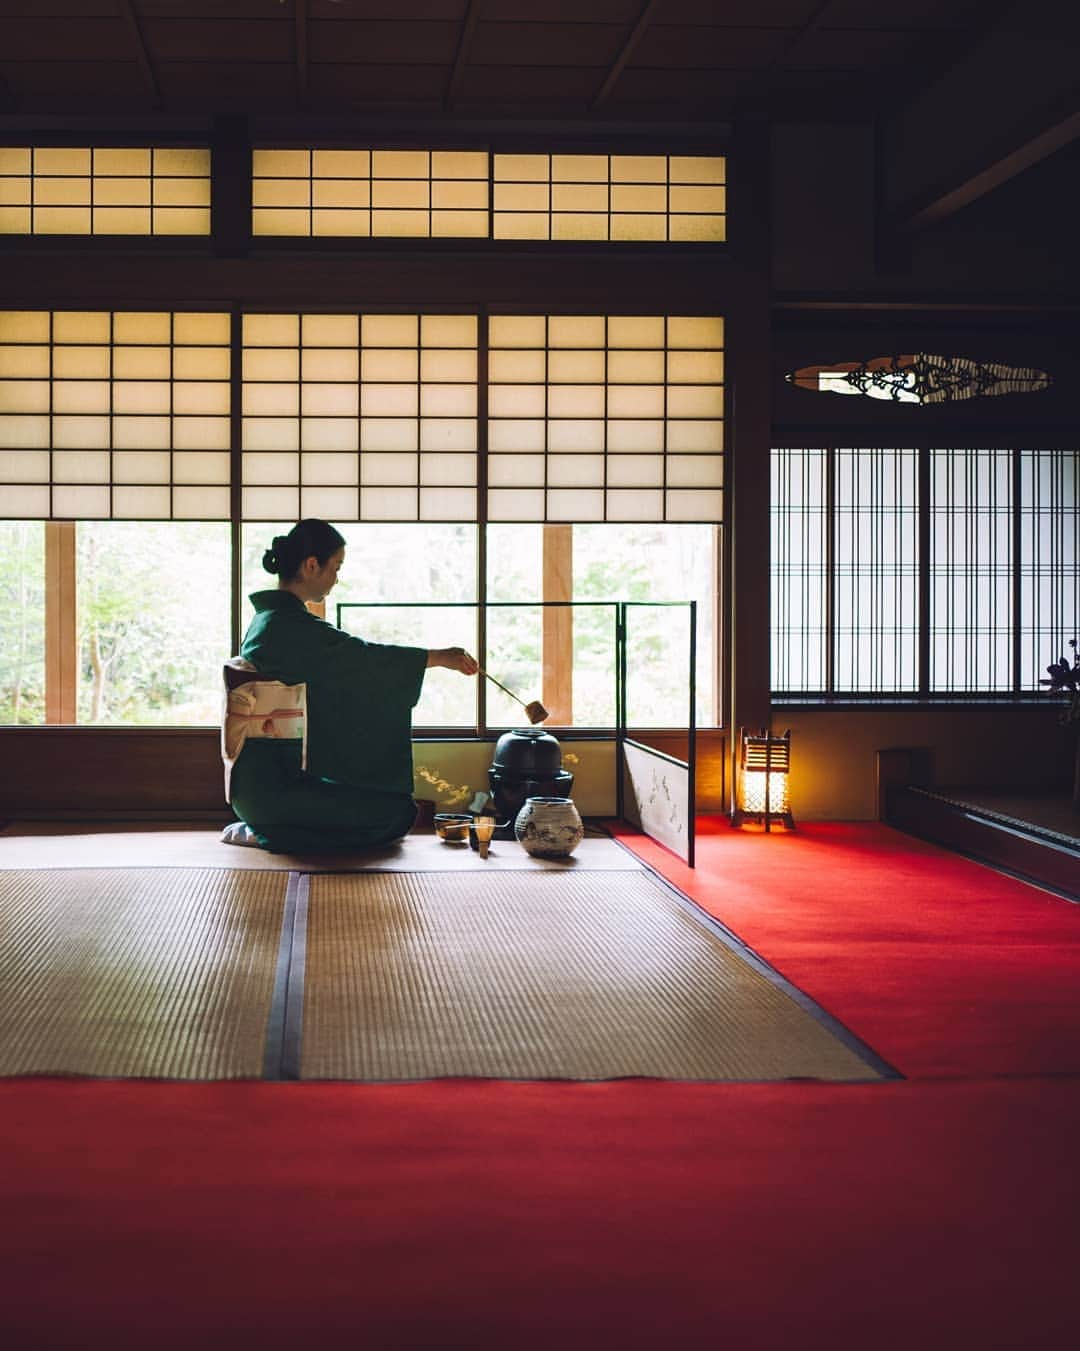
(356,791)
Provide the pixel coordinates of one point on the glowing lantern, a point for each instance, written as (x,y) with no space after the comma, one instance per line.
(764,767)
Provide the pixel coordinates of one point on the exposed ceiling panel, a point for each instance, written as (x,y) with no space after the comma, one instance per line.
(217,39)
(687,59)
(720,48)
(546,44)
(849,49)
(357,85)
(368,44)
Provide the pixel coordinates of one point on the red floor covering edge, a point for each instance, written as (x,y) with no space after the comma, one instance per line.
(457,1214)
(922,1214)
(942,965)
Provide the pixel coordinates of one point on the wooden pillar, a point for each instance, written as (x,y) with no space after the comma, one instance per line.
(61,623)
(747,519)
(557,693)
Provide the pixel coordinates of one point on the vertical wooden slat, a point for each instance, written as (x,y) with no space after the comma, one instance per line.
(61,626)
(746,512)
(558,631)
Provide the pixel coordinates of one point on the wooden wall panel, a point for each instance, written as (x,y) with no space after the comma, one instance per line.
(103,771)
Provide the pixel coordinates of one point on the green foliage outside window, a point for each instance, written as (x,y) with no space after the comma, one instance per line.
(153,619)
(22,621)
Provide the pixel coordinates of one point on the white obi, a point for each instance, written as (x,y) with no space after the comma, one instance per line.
(259,708)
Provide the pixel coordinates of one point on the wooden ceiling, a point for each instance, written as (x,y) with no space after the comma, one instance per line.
(608,60)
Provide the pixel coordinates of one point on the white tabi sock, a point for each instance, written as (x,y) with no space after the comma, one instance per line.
(239,833)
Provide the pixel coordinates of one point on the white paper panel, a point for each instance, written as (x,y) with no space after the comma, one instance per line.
(450,469)
(24,466)
(447,504)
(143,466)
(26,501)
(656,794)
(391,386)
(329,469)
(378,469)
(513,471)
(621,393)
(119,400)
(58,184)
(389,504)
(635,504)
(71,502)
(515,504)
(148,503)
(201,504)
(331,503)
(270,504)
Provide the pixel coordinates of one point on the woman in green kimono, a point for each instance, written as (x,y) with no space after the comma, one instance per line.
(356,789)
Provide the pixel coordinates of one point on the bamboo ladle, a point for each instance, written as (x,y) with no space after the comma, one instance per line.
(534,711)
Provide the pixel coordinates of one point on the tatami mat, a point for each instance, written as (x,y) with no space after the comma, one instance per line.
(538,976)
(145,972)
(93,845)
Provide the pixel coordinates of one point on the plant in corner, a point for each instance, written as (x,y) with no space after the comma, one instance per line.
(1065,679)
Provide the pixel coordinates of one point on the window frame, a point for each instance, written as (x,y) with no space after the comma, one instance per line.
(923,442)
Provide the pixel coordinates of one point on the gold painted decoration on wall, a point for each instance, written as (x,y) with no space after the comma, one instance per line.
(920,378)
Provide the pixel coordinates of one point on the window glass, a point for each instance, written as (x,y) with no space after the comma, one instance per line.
(153,621)
(606,563)
(22,621)
(652,563)
(391,570)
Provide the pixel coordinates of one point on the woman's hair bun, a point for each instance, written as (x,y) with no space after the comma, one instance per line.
(307,539)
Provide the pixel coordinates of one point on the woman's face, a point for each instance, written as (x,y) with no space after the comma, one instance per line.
(324,579)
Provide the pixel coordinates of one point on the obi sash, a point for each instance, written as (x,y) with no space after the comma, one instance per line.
(259,708)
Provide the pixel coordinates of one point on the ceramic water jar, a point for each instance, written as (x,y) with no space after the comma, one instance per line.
(549,827)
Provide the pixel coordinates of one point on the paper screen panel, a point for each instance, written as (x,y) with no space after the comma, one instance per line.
(114,414)
(656,796)
(360,417)
(104,190)
(370,193)
(605,418)
(639,198)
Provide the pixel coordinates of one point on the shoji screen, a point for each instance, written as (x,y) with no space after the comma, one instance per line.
(114,414)
(402,193)
(360,417)
(663,198)
(104,190)
(605,418)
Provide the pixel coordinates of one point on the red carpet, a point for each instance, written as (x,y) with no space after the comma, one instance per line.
(891,1216)
(944,966)
(489,1216)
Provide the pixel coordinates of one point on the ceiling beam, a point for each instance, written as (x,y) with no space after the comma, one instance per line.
(7,96)
(796,35)
(142,55)
(300,14)
(461,57)
(624,55)
(1059,128)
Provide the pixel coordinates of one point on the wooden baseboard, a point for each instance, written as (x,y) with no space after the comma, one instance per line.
(1008,847)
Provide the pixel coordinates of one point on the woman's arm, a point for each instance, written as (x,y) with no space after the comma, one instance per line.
(454,659)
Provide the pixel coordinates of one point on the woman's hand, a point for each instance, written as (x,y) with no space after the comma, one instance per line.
(454,659)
